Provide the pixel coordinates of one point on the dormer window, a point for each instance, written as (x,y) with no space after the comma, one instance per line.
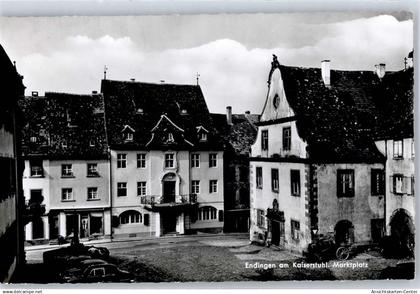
(64,144)
(139,110)
(203,136)
(170,138)
(128,133)
(184,111)
(33,139)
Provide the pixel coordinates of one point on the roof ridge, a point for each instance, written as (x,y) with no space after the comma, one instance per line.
(150,83)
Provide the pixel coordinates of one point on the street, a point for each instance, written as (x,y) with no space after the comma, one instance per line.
(216,258)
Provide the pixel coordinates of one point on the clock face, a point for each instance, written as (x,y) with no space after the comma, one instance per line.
(276,101)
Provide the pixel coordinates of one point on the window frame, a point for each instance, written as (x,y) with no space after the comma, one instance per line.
(121,186)
(207,213)
(195,186)
(377,183)
(275,180)
(121,160)
(287,138)
(91,173)
(264,140)
(398,149)
(91,189)
(67,170)
(213,186)
(141,160)
(342,190)
(295,229)
(169,160)
(195,160)
(141,188)
(258,177)
(33,172)
(64,191)
(212,160)
(394,184)
(295,183)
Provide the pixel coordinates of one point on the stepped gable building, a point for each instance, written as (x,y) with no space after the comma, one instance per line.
(66,165)
(315,168)
(239,132)
(12,254)
(166,160)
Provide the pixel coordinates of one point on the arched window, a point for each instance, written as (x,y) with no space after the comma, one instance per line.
(130,217)
(207,213)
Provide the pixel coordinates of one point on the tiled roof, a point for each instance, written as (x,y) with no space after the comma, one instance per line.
(153,111)
(340,121)
(241,134)
(64,126)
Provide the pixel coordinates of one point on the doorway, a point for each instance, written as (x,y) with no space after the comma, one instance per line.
(169,220)
(168,191)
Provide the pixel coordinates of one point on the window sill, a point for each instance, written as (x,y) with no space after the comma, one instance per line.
(275,191)
(398,158)
(36,177)
(345,196)
(93,176)
(295,195)
(71,200)
(67,177)
(95,199)
(260,188)
(121,195)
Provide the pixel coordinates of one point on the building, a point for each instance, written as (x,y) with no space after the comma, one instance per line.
(12,254)
(314,168)
(239,132)
(66,166)
(166,160)
(395,139)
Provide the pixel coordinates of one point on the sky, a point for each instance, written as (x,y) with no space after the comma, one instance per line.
(231,52)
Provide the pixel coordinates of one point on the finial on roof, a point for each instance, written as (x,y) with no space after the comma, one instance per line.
(197,76)
(105,69)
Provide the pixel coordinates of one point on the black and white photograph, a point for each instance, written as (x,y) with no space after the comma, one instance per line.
(223,147)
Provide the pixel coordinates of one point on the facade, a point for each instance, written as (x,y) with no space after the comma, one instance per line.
(11,203)
(166,160)
(239,132)
(66,166)
(314,168)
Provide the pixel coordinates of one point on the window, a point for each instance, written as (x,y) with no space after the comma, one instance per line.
(195,187)
(92,170)
(129,136)
(66,194)
(398,184)
(141,188)
(33,139)
(202,136)
(66,170)
(398,149)
(295,182)
(97,272)
(207,213)
(260,218)
(259,177)
(275,180)
(64,144)
(195,160)
(345,183)
(121,160)
(92,193)
(170,137)
(295,229)
(141,160)
(213,186)
(377,182)
(121,189)
(36,168)
(264,140)
(287,138)
(169,160)
(212,159)
(130,217)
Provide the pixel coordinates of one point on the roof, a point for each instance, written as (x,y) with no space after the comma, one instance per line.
(340,122)
(241,134)
(154,111)
(66,126)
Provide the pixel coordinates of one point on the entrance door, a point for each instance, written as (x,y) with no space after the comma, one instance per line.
(168,222)
(168,191)
(38,228)
(84,227)
(275,233)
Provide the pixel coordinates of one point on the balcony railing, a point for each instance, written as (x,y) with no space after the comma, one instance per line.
(159,199)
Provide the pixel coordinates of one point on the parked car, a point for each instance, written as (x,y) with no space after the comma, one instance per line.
(99,273)
(79,268)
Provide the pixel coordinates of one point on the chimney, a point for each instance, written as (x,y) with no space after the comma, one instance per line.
(35,93)
(229,115)
(380,70)
(247,112)
(133,79)
(325,72)
(94,92)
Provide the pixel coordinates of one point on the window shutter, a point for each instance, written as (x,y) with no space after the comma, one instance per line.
(146,219)
(220,215)
(405,185)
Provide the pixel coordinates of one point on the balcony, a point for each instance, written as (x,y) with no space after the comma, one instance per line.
(158,203)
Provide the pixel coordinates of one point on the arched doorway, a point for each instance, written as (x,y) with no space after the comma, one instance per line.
(402,228)
(344,232)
